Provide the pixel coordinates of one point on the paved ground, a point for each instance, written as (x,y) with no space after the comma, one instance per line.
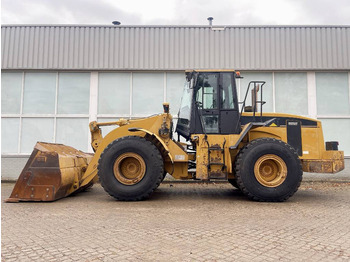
(182,222)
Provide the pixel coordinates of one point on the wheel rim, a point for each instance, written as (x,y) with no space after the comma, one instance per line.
(270,170)
(129,168)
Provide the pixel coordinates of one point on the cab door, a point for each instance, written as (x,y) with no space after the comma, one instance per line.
(207,103)
(229,114)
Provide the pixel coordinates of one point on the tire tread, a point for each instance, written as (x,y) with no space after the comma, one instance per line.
(239,162)
(159,161)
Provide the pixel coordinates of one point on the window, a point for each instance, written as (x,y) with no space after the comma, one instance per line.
(207,87)
(36,129)
(332,90)
(291,93)
(333,107)
(148,93)
(73,93)
(267,89)
(73,132)
(39,93)
(186,103)
(207,99)
(11,89)
(35,93)
(333,130)
(227,101)
(174,86)
(184,116)
(54,106)
(114,93)
(9,135)
(106,129)
(211,123)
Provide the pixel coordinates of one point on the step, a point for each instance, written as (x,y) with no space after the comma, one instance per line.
(218,175)
(216,164)
(215,149)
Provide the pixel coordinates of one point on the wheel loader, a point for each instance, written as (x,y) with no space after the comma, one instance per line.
(216,138)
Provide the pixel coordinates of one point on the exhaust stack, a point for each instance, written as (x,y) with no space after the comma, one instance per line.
(210,19)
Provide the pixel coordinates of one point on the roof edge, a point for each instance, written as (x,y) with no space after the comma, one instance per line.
(176,26)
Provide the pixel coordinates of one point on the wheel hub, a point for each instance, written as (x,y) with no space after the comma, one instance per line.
(270,170)
(129,168)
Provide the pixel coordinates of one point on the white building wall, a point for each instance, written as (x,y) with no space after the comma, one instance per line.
(57,106)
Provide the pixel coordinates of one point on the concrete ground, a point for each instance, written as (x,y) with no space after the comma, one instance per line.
(183,222)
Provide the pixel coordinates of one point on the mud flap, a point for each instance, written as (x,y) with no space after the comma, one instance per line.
(53,171)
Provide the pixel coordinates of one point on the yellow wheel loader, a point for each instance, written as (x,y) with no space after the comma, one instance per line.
(262,154)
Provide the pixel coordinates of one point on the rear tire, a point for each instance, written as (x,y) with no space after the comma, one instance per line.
(268,169)
(130,168)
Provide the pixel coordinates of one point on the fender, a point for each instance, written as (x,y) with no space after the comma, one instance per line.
(153,135)
(247,128)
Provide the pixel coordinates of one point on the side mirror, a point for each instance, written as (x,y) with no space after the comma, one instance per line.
(189,76)
(192,78)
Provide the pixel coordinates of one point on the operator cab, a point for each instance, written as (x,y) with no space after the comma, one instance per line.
(209,104)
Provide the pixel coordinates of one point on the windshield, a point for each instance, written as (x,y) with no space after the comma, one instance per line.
(183,123)
(185,108)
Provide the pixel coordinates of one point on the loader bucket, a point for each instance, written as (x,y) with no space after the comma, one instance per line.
(53,171)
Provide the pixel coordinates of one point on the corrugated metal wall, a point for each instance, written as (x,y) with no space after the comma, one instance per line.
(175,47)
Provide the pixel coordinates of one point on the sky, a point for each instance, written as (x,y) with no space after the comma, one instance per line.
(177,12)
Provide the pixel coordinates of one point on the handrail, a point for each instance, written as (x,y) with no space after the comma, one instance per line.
(255,85)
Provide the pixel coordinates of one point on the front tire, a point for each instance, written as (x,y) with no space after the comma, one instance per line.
(130,168)
(268,169)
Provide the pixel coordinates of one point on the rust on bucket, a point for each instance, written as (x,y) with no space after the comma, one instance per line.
(53,171)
